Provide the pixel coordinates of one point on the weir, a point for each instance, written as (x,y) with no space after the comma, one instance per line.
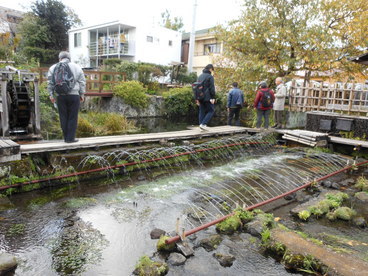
(182,187)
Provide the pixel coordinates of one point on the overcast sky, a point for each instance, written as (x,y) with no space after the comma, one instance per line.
(209,12)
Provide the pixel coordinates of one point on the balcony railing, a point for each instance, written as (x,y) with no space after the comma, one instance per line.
(111,45)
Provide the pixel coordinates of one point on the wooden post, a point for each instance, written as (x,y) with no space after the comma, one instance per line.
(292,96)
(100,87)
(37,116)
(5,110)
(334,97)
(351,96)
(320,97)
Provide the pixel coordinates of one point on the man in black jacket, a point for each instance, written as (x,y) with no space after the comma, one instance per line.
(207,105)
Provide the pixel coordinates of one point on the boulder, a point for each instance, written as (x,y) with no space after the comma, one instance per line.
(7,263)
(176,259)
(360,222)
(157,233)
(210,243)
(362,196)
(255,228)
(224,260)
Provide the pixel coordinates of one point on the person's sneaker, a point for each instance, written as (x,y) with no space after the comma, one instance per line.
(73,141)
(203,127)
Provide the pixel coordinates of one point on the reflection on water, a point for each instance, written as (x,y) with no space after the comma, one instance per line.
(166,124)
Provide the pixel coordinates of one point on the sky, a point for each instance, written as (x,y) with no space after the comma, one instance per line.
(209,12)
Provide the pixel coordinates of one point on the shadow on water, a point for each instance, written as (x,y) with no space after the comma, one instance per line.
(97,229)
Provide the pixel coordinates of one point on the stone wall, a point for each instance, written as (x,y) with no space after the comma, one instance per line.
(116,105)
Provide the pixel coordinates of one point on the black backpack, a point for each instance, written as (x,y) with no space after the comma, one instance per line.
(266,100)
(63,79)
(199,90)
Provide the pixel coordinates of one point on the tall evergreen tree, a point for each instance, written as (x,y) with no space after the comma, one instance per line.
(44,30)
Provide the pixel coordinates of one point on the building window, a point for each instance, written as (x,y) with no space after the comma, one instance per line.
(170,43)
(77,40)
(149,38)
(212,48)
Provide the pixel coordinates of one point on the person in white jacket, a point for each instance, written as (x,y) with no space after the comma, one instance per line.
(279,104)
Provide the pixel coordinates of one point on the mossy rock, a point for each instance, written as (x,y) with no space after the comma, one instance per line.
(229,226)
(344,213)
(147,267)
(331,216)
(211,243)
(162,246)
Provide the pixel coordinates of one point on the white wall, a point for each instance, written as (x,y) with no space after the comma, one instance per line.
(158,51)
(79,55)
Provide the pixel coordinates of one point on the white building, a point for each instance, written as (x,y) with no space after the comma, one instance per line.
(89,46)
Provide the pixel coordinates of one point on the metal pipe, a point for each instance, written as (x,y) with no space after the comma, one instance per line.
(126,164)
(204,226)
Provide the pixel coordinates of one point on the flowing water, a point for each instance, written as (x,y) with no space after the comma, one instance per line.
(102,227)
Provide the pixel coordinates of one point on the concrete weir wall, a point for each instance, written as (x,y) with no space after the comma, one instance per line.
(335,123)
(116,105)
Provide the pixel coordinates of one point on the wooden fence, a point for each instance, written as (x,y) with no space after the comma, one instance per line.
(98,83)
(347,98)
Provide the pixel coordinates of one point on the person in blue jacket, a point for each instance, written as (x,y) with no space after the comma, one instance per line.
(235,102)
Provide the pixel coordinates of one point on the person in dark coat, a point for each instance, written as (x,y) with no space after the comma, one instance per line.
(235,102)
(263,111)
(207,105)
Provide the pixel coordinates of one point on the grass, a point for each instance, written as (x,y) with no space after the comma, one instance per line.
(101,124)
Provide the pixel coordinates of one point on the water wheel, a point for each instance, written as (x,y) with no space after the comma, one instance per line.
(20,105)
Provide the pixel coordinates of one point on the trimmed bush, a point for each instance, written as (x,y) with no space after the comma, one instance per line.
(179,102)
(132,92)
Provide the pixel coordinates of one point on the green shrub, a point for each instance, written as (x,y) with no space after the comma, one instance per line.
(179,102)
(85,128)
(133,93)
(153,87)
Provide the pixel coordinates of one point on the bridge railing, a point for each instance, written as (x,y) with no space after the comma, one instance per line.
(347,98)
(98,83)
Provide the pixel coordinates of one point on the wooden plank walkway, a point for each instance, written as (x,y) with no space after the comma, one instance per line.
(9,150)
(302,136)
(103,141)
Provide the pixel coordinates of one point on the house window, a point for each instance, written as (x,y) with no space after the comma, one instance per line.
(170,43)
(149,38)
(212,48)
(77,40)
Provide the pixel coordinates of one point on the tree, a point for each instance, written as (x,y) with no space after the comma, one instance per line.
(175,24)
(44,30)
(280,37)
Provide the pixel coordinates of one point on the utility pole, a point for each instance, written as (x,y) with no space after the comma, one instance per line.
(192,39)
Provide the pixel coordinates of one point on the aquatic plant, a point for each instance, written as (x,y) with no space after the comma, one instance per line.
(229,226)
(265,236)
(361,184)
(16,229)
(77,247)
(344,213)
(146,266)
(304,215)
